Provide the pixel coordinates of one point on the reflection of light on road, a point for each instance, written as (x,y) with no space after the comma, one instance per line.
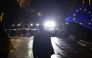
(18,40)
(55,43)
(32,37)
(15,47)
(15,43)
(30,43)
(54,39)
(56,56)
(12,39)
(22,47)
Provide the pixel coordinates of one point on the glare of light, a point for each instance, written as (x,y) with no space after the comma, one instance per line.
(89,2)
(11,50)
(39,14)
(33,29)
(28,29)
(2,14)
(29,51)
(32,37)
(31,24)
(12,25)
(37,24)
(49,24)
(52,28)
(18,24)
(55,56)
(53,41)
(14,29)
(83,2)
(0,18)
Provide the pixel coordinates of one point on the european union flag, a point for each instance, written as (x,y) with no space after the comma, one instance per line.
(81,14)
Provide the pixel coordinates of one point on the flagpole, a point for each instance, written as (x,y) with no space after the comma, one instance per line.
(72,5)
(70,8)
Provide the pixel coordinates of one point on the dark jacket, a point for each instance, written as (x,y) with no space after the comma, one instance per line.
(5,43)
(42,44)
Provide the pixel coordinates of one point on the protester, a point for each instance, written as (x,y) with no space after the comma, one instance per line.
(42,47)
(5,43)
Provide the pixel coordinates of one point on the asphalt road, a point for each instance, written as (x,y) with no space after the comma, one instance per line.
(63,48)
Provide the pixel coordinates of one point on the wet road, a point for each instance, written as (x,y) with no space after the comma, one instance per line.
(63,47)
(71,48)
(22,47)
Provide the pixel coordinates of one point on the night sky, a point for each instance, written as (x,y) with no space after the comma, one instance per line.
(52,7)
(50,4)
(49,8)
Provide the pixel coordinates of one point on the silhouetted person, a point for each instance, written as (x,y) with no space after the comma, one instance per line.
(5,43)
(42,47)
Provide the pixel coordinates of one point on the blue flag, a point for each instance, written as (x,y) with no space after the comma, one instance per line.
(81,14)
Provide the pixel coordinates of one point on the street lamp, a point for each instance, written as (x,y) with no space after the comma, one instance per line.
(37,25)
(18,25)
(31,24)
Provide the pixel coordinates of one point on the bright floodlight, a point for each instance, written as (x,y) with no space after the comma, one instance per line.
(49,24)
(31,24)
